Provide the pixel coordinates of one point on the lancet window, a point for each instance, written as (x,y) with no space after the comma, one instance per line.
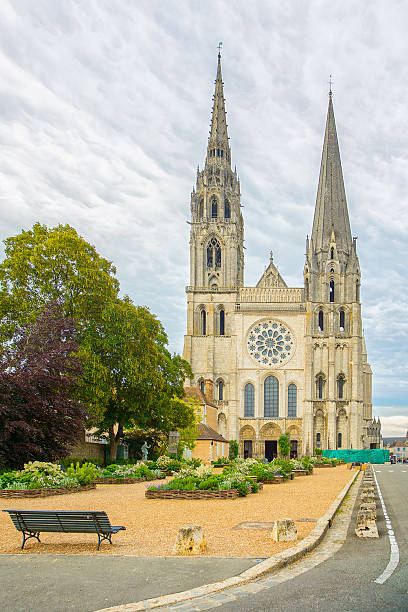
(213,254)
(271,397)
(249,400)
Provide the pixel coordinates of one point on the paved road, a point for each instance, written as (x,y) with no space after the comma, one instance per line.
(345,582)
(82,583)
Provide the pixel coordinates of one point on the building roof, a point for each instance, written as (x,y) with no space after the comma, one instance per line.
(208,433)
(399,443)
(195,393)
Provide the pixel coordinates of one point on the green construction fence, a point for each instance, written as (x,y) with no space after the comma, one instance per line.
(368,455)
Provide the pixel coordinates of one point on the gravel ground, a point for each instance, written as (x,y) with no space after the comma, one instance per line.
(152,524)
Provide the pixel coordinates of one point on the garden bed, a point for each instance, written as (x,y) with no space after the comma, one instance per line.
(300,472)
(45,492)
(174,494)
(276,480)
(112,480)
(323,465)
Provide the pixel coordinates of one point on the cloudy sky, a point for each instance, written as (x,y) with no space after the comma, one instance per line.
(104,117)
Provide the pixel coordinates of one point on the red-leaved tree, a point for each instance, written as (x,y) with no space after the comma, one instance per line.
(40,419)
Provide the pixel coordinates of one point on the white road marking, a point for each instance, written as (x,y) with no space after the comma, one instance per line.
(378,471)
(403,470)
(394,556)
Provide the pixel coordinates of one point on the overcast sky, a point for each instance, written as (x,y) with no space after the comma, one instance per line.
(105,111)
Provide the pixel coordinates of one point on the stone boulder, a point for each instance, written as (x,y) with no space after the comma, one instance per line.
(190,541)
(284,530)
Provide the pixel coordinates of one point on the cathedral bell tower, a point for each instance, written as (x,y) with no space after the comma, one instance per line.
(216,250)
(217,229)
(338,406)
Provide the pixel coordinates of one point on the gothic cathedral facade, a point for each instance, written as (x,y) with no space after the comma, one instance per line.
(281,359)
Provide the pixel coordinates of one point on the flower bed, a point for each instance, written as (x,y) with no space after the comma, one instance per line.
(323,465)
(180,494)
(300,472)
(47,492)
(275,480)
(43,476)
(128,474)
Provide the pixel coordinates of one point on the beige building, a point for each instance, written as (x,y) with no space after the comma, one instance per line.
(282,359)
(210,445)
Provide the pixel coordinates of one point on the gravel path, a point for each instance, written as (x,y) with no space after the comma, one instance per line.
(152,525)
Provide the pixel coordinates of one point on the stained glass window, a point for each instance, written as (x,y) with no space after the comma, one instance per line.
(270,343)
(292,401)
(271,397)
(249,400)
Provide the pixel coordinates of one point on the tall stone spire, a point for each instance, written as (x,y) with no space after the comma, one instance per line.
(331,214)
(218,145)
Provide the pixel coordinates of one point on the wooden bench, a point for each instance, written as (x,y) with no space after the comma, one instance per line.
(32,522)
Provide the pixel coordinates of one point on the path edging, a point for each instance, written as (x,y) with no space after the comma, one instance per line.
(290,555)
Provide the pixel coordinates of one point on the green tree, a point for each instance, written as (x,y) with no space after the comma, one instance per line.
(284,444)
(132,380)
(53,264)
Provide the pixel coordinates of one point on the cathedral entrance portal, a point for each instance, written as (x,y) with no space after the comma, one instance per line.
(247,449)
(293,449)
(271,449)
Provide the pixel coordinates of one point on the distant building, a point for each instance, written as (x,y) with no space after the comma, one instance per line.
(210,444)
(282,359)
(399,449)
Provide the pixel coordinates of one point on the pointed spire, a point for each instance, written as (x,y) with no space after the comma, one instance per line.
(218,139)
(331,214)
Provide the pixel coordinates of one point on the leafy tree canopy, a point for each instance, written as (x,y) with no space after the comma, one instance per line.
(39,369)
(131,379)
(46,264)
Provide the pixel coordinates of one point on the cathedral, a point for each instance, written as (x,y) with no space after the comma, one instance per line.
(277,359)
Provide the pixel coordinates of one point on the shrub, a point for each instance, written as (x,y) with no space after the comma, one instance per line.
(233,449)
(83,474)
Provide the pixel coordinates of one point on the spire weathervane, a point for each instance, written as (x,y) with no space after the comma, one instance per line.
(330,86)
(219,47)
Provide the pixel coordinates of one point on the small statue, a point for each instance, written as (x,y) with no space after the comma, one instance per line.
(145,450)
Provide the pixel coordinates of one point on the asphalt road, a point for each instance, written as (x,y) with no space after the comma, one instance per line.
(345,582)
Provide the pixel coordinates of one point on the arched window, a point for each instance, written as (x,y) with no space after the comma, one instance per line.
(318,440)
(332,253)
(201,385)
(271,397)
(222,322)
(227,209)
(306,288)
(340,387)
(201,209)
(249,400)
(320,320)
(331,292)
(339,440)
(342,320)
(292,400)
(320,384)
(213,254)
(214,208)
(220,390)
(357,291)
(203,323)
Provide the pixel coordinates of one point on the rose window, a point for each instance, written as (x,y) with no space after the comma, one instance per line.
(271,343)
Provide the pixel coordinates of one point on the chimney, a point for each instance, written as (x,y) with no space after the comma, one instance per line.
(209,390)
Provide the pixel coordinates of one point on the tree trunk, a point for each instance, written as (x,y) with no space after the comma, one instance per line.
(114,440)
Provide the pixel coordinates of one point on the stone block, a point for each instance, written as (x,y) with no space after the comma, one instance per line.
(369,506)
(367,497)
(365,526)
(367,512)
(190,541)
(284,530)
